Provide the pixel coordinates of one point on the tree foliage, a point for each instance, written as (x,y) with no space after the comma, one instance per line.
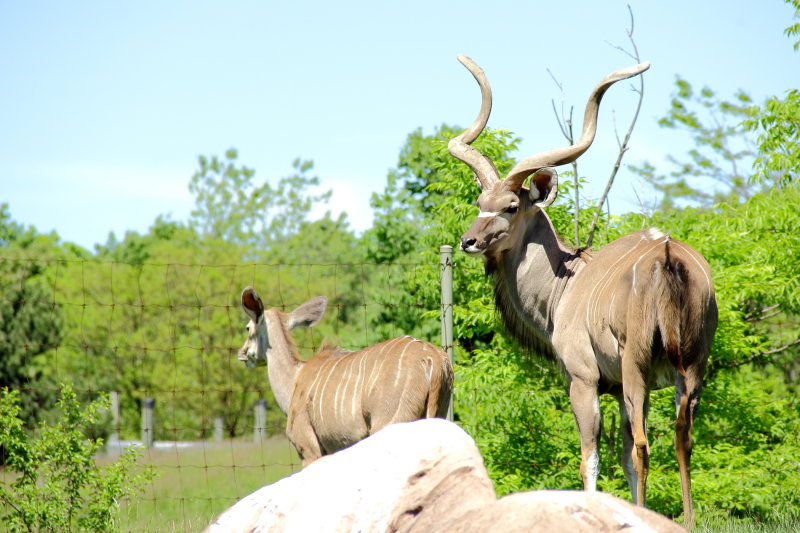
(230,205)
(29,322)
(157,314)
(778,127)
(57,484)
(515,405)
(794,29)
(717,167)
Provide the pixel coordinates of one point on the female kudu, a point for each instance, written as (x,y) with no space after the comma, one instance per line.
(337,397)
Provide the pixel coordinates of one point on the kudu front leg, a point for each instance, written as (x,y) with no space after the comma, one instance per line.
(586,408)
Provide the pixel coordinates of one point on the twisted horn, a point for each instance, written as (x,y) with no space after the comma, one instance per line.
(562,156)
(459,147)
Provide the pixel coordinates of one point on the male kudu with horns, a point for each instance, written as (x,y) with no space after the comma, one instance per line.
(636,315)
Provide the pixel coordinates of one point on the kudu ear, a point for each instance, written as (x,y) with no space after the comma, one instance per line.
(252,304)
(308,314)
(544,187)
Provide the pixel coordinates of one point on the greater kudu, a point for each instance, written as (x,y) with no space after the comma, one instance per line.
(337,397)
(638,314)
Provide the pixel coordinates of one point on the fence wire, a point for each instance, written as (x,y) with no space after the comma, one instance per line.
(170,333)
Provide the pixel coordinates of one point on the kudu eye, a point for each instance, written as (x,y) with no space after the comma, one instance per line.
(512,209)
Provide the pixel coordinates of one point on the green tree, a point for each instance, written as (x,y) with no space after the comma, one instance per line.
(57,486)
(717,168)
(515,406)
(794,29)
(157,314)
(778,126)
(231,205)
(30,322)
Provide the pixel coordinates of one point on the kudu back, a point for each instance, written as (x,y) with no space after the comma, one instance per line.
(339,397)
(636,315)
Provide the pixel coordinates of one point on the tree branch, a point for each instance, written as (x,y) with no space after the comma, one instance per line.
(754,357)
(623,147)
(565,125)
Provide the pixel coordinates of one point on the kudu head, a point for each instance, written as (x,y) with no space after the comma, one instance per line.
(502,203)
(254,350)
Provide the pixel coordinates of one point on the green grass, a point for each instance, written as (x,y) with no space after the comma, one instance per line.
(194,485)
(744,525)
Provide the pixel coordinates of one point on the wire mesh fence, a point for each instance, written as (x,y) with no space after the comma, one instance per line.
(162,340)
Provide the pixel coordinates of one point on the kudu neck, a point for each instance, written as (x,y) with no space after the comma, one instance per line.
(530,277)
(283,363)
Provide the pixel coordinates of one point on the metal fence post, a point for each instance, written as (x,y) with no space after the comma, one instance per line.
(148,421)
(446,280)
(115,419)
(260,424)
(218,428)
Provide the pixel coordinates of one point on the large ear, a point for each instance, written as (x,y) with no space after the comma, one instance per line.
(308,314)
(252,304)
(544,187)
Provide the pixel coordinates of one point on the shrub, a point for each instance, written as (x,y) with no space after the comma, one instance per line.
(55,484)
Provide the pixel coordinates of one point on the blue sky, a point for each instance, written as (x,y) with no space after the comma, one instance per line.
(105,106)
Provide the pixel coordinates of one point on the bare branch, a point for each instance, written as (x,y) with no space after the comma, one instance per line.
(623,146)
(561,124)
(763,313)
(565,124)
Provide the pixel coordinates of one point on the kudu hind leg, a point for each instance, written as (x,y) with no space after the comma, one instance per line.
(586,408)
(627,446)
(685,406)
(636,397)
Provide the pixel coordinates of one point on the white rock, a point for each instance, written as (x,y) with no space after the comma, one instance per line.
(422,476)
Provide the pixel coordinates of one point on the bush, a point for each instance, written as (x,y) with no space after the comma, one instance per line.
(56,485)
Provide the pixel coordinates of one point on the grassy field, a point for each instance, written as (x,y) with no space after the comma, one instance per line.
(195,484)
(733,525)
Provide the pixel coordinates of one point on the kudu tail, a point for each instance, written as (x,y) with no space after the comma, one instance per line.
(441,387)
(670,280)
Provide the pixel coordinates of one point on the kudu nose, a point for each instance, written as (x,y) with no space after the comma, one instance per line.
(467,242)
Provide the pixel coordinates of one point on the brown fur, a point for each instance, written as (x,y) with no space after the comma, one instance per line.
(339,397)
(638,314)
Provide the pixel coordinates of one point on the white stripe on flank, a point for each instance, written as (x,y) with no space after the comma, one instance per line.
(603,281)
(347,374)
(428,370)
(633,282)
(312,389)
(376,374)
(400,362)
(325,386)
(361,363)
